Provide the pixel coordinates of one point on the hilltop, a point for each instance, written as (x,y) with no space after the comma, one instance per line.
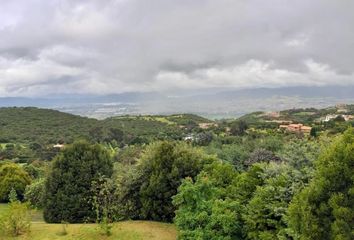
(46,126)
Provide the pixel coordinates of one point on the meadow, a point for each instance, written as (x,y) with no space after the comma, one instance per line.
(127,230)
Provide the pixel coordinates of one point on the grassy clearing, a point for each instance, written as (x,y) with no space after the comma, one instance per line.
(137,230)
(3,207)
(128,230)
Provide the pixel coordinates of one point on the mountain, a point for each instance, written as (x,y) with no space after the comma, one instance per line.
(217,103)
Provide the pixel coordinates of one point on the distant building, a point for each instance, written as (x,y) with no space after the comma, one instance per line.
(348,117)
(272,114)
(189,138)
(296,128)
(341,108)
(60,146)
(330,117)
(207,125)
(283,122)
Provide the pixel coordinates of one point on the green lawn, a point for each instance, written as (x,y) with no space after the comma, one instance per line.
(128,230)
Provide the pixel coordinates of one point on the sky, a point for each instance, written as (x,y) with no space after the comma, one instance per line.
(112,46)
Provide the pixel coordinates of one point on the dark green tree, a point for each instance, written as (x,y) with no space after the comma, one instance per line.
(325,209)
(67,188)
(163,166)
(313,132)
(239,128)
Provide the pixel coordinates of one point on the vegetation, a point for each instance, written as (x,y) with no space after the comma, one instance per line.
(34,193)
(158,175)
(16,219)
(230,179)
(325,209)
(12,176)
(67,188)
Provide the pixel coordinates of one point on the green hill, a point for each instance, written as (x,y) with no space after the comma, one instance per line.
(44,126)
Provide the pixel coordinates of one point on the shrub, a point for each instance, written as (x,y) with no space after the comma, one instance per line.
(16,220)
(103,201)
(34,193)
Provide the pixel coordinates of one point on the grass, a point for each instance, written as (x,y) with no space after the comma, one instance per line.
(3,207)
(128,230)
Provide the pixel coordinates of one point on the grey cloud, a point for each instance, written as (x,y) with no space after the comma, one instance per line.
(134,45)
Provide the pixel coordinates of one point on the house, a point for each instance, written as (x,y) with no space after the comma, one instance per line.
(189,138)
(207,125)
(305,129)
(281,121)
(296,128)
(329,117)
(58,145)
(341,108)
(348,117)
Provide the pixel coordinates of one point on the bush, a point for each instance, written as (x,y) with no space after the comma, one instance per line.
(204,211)
(16,220)
(67,188)
(103,201)
(12,176)
(34,193)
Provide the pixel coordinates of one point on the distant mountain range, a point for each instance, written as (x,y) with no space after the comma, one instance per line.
(214,104)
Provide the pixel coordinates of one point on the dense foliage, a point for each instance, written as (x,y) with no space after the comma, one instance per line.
(230,179)
(325,209)
(205,210)
(67,188)
(34,193)
(158,175)
(12,176)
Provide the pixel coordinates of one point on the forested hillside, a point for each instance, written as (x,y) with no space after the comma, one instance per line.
(45,126)
(278,175)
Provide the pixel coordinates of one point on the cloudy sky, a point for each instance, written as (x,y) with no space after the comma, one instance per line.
(112,46)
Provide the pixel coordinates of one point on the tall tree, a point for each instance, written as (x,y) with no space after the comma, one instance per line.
(163,166)
(68,184)
(325,209)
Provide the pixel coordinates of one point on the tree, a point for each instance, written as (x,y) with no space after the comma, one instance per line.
(313,132)
(239,128)
(325,209)
(12,176)
(265,214)
(34,193)
(204,208)
(103,201)
(162,168)
(115,134)
(67,188)
(96,134)
(261,155)
(204,138)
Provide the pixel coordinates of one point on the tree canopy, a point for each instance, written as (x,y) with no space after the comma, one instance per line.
(67,188)
(325,209)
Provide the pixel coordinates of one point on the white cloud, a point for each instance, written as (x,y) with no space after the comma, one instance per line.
(253,73)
